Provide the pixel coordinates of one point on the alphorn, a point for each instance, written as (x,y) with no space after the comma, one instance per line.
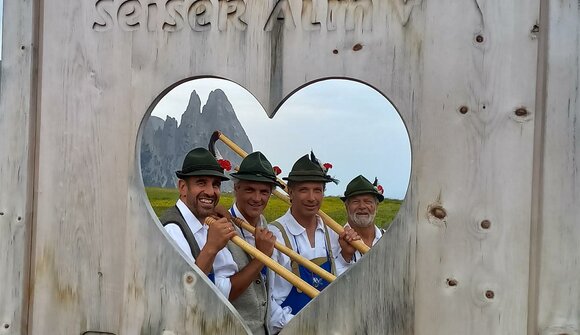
(270,263)
(329,277)
(330,223)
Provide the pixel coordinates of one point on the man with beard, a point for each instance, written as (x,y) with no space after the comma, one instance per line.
(361,200)
(199,192)
(303,231)
(253,185)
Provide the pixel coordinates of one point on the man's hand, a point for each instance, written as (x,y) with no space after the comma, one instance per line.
(344,239)
(221,212)
(265,241)
(218,235)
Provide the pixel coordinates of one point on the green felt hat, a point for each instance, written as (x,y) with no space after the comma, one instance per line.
(256,167)
(361,185)
(200,162)
(309,169)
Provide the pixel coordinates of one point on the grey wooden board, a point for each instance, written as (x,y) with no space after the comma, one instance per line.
(558,263)
(99,255)
(477,166)
(17,120)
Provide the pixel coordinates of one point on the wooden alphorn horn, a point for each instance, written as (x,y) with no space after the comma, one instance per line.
(329,277)
(330,223)
(270,263)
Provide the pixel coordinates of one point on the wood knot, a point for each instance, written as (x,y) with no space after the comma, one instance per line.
(521,112)
(489,294)
(438,212)
(485,224)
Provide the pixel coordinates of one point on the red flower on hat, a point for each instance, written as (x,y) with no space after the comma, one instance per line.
(277,170)
(327,166)
(380,189)
(225,164)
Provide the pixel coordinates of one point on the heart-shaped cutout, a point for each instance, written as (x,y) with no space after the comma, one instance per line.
(309,119)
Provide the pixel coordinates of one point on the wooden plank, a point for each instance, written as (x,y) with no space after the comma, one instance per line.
(17,122)
(467,168)
(101,257)
(557,292)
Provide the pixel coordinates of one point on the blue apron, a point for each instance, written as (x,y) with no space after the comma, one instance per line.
(296,299)
(264,270)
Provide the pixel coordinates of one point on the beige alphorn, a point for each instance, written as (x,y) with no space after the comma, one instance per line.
(358,244)
(270,263)
(329,277)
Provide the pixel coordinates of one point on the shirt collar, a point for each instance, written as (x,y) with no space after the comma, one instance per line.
(296,229)
(190,219)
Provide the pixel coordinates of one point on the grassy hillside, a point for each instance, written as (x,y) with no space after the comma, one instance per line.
(163,198)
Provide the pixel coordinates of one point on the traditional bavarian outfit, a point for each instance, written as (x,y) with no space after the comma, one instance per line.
(360,185)
(254,304)
(186,230)
(287,299)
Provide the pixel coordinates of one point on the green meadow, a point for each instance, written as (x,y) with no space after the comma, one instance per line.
(163,198)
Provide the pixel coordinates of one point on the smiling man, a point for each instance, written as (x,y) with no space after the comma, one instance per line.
(199,192)
(303,231)
(253,185)
(361,199)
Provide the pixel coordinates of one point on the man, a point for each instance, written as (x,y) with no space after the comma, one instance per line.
(253,185)
(302,230)
(361,199)
(199,192)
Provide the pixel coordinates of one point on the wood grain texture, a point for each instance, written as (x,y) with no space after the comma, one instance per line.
(467,168)
(17,121)
(558,202)
(455,261)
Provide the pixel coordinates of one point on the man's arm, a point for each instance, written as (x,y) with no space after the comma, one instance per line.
(242,279)
(218,235)
(279,290)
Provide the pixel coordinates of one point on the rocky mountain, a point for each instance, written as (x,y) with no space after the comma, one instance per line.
(164,144)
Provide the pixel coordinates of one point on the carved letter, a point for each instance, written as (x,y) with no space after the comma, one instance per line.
(309,21)
(231,11)
(129,14)
(359,12)
(281,11)
(176,18)
(199,15)
(336,12)
(152,20)
(105,20)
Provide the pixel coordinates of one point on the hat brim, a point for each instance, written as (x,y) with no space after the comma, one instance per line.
(308,178)
(260,179)
(198,173)
(379,196)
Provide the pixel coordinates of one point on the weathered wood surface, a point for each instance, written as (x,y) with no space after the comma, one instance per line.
(17,121)
(436,264)
(557,205)
(456,260)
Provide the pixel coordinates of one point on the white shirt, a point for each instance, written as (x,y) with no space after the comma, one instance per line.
(279,287)
(342,265)
(223,266)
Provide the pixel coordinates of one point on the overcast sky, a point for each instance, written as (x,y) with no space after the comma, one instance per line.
(346,123)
